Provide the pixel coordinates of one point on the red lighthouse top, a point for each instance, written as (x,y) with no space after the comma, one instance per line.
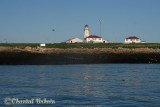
(86,25)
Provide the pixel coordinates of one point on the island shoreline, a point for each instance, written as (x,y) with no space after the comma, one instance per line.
(55,56)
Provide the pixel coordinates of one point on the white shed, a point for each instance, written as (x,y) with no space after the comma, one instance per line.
(42,45)
(105,41)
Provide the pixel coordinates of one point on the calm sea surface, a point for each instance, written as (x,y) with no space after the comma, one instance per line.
(98,85)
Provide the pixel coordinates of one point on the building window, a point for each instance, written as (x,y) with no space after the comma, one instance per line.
(126,39)
(99,38)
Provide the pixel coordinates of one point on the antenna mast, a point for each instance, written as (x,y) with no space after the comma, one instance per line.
(100,22)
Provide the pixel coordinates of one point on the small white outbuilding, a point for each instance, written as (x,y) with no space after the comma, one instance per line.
(42,45)
(132,39)
(74,40)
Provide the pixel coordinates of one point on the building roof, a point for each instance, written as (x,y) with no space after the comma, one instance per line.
(73,39)
(70,39)
(86,25)
(93,36)
(132,37)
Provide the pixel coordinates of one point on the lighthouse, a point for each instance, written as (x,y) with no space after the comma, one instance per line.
(86,32)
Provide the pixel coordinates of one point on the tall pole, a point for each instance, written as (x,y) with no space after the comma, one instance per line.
(100,22)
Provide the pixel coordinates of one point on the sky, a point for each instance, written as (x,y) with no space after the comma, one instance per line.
(32,21)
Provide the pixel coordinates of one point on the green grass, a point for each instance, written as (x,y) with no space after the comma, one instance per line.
(85,45)
(20,45)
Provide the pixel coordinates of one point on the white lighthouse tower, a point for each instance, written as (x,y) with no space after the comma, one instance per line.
(86,32)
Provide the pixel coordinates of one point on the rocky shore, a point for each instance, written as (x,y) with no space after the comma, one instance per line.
(53,56)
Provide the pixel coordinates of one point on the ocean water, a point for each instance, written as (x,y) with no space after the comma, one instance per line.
(88,85)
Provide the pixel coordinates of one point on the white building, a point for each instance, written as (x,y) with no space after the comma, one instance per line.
(92,38)
(95,39)
(42,45)
(132,39)
(105,41)
(74,40)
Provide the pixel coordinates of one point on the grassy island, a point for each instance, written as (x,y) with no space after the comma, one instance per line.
(85,45)
(84,53)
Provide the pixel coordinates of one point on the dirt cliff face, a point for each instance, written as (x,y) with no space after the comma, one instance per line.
(79,50)
(51,56)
